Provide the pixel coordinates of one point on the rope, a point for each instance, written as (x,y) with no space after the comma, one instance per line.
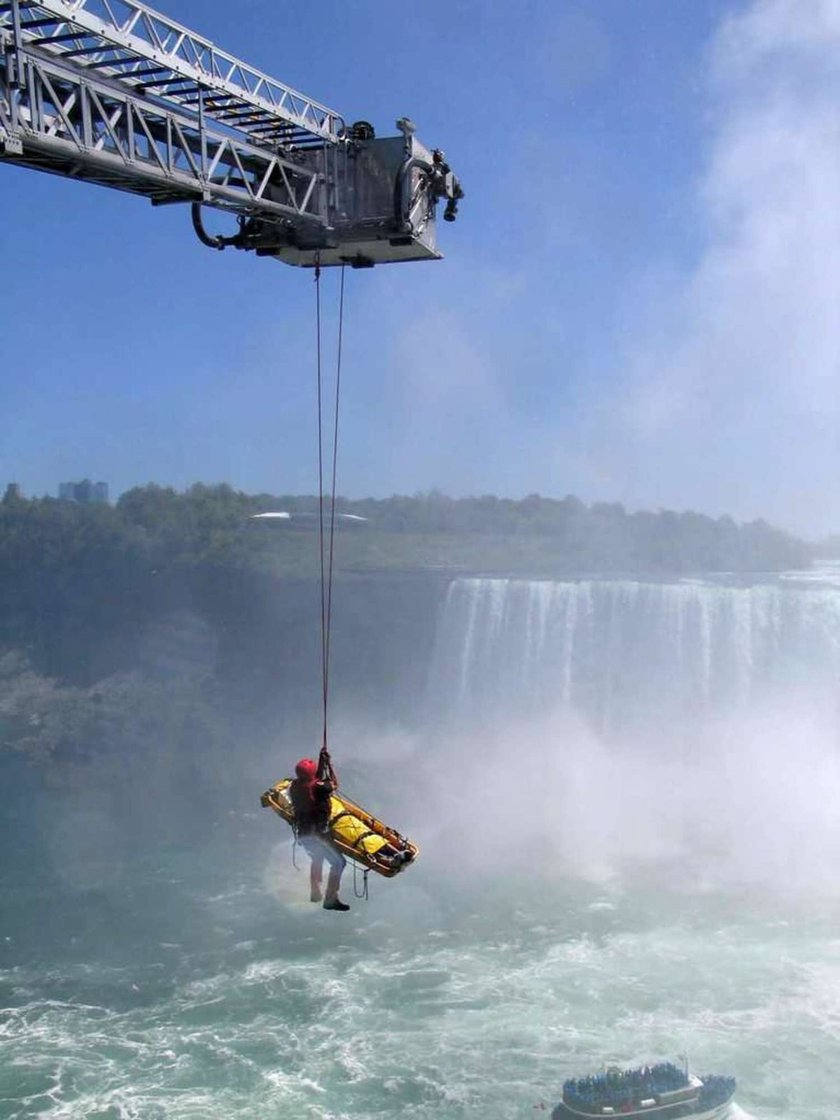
(363,893)
(332,498)
(329,549)
(321,497)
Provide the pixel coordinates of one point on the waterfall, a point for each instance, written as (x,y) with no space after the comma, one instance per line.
(624,653)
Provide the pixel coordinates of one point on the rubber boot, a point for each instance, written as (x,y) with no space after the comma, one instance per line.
(331,899)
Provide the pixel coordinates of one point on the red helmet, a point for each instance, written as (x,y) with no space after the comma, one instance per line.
(306,769)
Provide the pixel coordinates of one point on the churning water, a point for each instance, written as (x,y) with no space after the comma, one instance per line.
(594,885)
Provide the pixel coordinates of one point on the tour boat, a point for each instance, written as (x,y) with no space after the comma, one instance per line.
(662,1092)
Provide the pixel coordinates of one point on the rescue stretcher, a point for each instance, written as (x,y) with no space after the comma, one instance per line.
(357,835)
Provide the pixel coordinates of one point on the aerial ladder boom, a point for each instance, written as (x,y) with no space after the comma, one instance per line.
(112,92)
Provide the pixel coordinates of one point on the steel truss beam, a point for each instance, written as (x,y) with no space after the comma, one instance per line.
(75,120)
(112,92)
(153,55)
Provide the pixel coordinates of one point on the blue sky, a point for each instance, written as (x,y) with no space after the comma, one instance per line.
(638,301)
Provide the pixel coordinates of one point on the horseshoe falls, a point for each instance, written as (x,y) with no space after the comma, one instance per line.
(626,797)
(627,653)
(685,729)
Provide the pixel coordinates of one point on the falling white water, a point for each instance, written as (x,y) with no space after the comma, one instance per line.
(625,653)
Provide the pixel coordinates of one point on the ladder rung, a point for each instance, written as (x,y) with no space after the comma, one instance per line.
(138,73)
(98,49)
(47,22)
(163,81)
(65,38)
(109,62)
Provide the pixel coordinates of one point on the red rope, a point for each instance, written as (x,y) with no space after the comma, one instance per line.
(329,548)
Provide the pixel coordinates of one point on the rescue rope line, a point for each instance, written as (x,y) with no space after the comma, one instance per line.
(363,893)
(327,544)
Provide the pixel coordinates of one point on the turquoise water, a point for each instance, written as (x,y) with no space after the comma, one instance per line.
(597,882)
(202,984)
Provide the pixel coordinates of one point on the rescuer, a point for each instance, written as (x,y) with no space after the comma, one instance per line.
(310,793)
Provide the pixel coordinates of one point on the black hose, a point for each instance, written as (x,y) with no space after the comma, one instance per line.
(217,242)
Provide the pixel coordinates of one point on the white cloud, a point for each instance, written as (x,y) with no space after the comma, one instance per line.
(440,365)
(739,392)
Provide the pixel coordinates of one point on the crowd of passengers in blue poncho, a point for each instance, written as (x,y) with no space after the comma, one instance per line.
(716,1089)
(624,1085)
(617,1086)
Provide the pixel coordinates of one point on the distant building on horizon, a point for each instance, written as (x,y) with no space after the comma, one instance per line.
(84,492)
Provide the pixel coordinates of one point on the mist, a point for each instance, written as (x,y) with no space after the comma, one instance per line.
(732,402)
(744,803)
(514,754)
(623,784)
(598,873)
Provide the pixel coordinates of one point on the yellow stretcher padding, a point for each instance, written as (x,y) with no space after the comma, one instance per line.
(347,827)
(355,833)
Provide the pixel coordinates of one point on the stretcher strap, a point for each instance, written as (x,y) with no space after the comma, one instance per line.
(357,843)
(338,816)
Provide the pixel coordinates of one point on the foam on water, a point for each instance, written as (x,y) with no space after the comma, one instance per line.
(483,1015)
(632,854)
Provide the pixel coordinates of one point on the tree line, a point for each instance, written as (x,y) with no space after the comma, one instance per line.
(139,634)
(156,525)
